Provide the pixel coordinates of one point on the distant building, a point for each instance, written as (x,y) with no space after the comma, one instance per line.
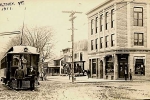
(118,38)
(54,67)
(80,57)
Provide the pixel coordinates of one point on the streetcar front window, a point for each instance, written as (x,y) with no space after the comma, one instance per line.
(16,60)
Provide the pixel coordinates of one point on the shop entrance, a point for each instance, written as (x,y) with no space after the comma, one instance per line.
(122,63)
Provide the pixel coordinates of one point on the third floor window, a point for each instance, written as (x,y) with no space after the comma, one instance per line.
(96,25)
(106,21)
(112,18)
(92,26)
(138,16)
(101,22)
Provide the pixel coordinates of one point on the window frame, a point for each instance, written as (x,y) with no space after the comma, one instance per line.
(101,22)
(137,19)
(96,25)
(112,18)
(101,42)
(106,20)
(138,40)
(92,45)
(106,41)
(112,40)
(139,67)
(96,43)
(92,26)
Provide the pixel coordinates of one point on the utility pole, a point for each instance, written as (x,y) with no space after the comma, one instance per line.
(72,39)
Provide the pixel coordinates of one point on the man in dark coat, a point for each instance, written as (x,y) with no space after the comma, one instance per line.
(32,74)
(19,75)
(88,73)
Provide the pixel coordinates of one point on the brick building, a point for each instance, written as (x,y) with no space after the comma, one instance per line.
(118,38)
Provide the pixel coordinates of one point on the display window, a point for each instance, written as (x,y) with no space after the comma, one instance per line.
(139,66)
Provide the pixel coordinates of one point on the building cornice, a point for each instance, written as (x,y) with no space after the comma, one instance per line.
(102,4)
(122,50)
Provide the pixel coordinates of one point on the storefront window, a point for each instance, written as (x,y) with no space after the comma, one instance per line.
(109,65)
(93,66)
(139,67)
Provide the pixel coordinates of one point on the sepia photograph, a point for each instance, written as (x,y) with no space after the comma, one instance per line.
(74,49)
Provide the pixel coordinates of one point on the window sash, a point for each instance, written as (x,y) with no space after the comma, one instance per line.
(101,42)
(106,20)
(106,41)
(112,18)
(96,25)
(112,40)
(96,44)
(91,44)
(92,26)
(101,22)
(138,16)
(138,39)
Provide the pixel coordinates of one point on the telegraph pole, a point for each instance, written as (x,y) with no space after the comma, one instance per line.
(72,39)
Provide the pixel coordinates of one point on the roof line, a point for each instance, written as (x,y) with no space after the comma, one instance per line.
(98,6)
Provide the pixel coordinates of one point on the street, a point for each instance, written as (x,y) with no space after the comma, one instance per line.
(55,89)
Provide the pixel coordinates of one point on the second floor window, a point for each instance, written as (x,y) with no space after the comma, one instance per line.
(91,44)
(106,41)
(138,16)
(112,40)
(96,25)
(101,42)
(101,22)
(112,18)
(138,39)
(92,26)
(106,21)
(96,44)
(75,56)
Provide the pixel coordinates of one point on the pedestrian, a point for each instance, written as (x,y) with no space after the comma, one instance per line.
(32,74)
(88,73)
(125,73)
(42,76)
(130,73)
(19,75)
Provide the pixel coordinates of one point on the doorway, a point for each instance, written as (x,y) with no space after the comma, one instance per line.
(122,63)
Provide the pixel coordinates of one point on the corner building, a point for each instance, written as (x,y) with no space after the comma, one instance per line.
(119,37)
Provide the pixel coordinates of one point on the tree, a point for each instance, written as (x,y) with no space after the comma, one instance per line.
(40,37)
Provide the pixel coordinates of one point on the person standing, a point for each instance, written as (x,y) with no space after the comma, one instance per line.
(24,63)
(19,75)
(32,74)
(88,73)
(125,73)
(130,73)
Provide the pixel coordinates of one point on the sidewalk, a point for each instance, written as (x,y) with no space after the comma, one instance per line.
(82,79)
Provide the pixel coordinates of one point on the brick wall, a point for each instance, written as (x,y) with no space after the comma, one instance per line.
(121,25)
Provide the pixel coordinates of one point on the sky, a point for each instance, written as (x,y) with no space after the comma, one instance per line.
(47,13)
